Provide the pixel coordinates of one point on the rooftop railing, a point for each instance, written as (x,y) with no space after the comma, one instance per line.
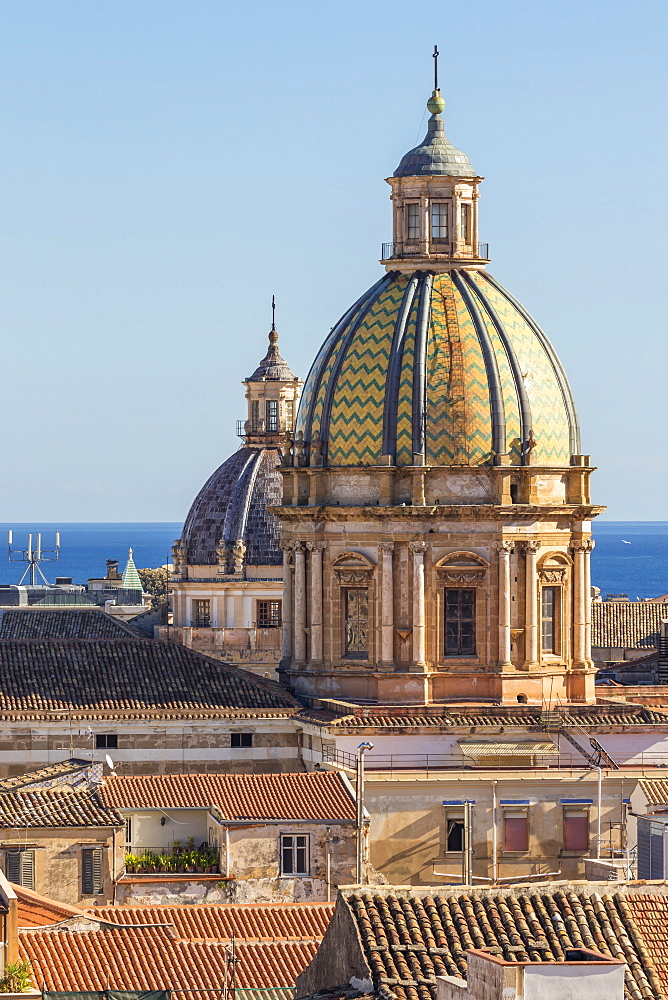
(401,251)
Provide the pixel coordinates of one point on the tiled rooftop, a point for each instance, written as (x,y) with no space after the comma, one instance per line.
(650,914)
(627,624)
(39,911)
(315,795)
(410,939)
(656,790)
(38,626)
(71,768)
(129,679)
(55,807)
(451,716)
(261,921)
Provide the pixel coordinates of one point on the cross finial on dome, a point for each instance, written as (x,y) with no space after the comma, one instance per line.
(273,336)
(435,104)
(435,58)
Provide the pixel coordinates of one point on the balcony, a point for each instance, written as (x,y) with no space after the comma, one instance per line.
(172,860)
(403,251)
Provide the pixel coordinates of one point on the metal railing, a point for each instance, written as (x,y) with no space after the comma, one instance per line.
(401,251)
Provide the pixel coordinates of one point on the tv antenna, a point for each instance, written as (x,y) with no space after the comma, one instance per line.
(32,556)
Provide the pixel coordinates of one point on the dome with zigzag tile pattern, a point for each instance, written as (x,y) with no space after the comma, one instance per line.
(443,369)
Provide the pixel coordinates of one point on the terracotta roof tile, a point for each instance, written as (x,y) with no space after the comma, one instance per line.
(74,766)
(128,678)
(315,795)
(284,921)
(627,624)
(130,958)
(87,624)
(408,941)
(650,914)
(656,790)
(452,716)
(55,807)
(39,911)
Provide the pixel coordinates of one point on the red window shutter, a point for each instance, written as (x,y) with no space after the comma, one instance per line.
(515,833)
(576,831)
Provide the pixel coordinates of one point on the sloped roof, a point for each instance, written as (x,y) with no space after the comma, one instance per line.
(150,957)
(626,624)
(280,921)
(40,911)
(656,790)
(410,939)
(314,795)
(130,678)
(74,766)
(650,914)
(39,626)
(55,807)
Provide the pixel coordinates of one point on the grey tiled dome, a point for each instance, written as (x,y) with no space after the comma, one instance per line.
(232,505)
(435,155)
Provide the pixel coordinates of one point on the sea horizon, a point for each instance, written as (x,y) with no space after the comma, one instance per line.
(629,557)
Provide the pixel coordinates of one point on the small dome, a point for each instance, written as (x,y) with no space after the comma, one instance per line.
(232,505)
(449,366)
(273,367)
(435,154)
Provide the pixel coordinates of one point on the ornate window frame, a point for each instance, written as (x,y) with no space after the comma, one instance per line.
(462,569)
(353,569)
(554,569)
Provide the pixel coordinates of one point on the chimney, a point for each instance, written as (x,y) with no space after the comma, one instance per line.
(583,975)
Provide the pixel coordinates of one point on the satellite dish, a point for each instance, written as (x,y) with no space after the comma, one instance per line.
(110,763)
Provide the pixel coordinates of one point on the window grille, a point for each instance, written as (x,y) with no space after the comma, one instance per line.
(20,867)
(92,883)
(460,635)
(294,854)
(272,414)
(269,614)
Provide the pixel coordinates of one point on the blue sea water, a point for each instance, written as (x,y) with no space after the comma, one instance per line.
(630,557)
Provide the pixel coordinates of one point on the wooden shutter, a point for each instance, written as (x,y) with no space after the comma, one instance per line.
(20,868)
(91,872)
(576,830)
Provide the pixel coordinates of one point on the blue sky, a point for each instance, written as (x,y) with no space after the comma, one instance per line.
(167,166)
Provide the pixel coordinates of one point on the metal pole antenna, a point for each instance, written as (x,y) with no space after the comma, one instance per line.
(273,313)
(435,58)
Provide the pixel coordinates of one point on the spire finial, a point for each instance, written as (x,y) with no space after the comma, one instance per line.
(273,336)
(435,104)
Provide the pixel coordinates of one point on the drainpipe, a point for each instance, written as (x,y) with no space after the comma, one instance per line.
(361,750)
(598,815)
(227,852)
(328,864)
(467,853)
(495,863)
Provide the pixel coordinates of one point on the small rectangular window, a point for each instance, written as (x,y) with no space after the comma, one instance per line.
(106,741)
(549,602)
(269,614)
(465,223)
(515,831)
(289,414)
(454,834)
(272,414)
(294,854)
(92,883)
(439,221)
(576,830)
(128,833)
(254,414)
(356,610)
(20,867)
(459,622)
(202,613)
(413,222)
(239,740)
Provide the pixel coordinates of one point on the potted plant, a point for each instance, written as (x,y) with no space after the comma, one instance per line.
(131,863)
(17,978)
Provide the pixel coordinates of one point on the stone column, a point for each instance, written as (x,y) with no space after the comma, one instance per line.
(386,604)
(287,644)
(531,604)
(587,545)
(419,646)
(316,549)
(504,550)
(300,603)
(579,624)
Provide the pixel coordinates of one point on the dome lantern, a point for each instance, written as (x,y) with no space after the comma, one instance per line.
(435,203)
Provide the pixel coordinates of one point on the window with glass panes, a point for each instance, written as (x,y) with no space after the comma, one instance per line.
(356,625)
(459,622)
(289,413)
(272,414)
(549,609)
(254,414)
(413,222)
(294,854)
(439,221)
(202,613)
(268,614)
(465,220)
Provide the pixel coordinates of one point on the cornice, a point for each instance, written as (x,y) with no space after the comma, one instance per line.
(449,512)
